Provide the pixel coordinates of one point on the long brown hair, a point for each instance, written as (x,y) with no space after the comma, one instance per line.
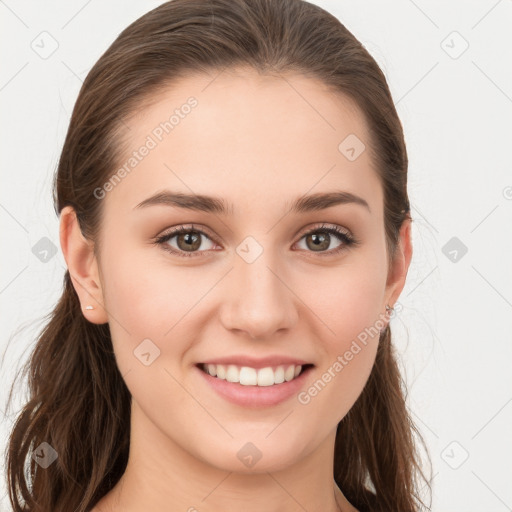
(79,403)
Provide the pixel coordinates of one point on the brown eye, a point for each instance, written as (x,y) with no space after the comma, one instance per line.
(319,239)
(188,241)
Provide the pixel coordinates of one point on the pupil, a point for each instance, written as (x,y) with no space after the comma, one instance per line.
(320,240)
(191,240)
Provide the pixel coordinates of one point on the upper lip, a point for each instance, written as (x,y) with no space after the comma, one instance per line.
(254,362)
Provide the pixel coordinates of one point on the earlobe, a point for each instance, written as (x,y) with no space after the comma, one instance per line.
(83,267)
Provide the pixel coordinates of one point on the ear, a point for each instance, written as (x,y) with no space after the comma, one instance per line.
(83,266)
(400,265)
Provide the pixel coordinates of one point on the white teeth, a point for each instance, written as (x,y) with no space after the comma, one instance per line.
(232,374)
(265,377)
(248,376)
(251,376)
(279,375)
(289,373)
(221,371)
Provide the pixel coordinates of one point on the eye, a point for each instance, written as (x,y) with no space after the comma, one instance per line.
(321,238)
(189,240)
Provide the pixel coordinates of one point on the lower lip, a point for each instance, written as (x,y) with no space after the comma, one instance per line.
(256,396)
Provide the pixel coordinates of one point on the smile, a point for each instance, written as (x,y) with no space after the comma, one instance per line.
(247,376)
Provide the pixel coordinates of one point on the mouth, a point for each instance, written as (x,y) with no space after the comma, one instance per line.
(269,376)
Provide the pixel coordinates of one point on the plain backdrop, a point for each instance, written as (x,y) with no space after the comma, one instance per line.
(448,65)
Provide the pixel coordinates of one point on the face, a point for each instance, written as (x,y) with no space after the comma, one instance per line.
(256,283)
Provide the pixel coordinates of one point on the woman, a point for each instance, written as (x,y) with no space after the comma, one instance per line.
(234,217)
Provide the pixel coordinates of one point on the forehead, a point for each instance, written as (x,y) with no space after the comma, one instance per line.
(254,139)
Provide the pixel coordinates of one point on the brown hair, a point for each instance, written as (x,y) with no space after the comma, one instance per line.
(79,403)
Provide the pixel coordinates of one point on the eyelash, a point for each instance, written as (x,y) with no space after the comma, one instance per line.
(347,239)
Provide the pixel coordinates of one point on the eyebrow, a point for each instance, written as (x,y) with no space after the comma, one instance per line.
(210,204)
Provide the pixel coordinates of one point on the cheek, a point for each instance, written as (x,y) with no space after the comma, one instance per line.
(147,297)
(338,384)
(349,354)
(148,302)
(150,308)
(346,300)
(347,303)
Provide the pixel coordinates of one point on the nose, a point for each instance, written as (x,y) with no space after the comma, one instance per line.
(258,300)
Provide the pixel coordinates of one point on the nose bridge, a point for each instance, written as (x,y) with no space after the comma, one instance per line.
(258,301)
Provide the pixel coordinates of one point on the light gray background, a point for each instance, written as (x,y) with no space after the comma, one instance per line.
(453,332)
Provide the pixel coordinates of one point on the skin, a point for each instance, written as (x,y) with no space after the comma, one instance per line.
(259,143)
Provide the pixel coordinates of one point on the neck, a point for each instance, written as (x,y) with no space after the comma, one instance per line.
(162,476)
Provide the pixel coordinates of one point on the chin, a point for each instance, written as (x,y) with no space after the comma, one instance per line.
(254,457)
